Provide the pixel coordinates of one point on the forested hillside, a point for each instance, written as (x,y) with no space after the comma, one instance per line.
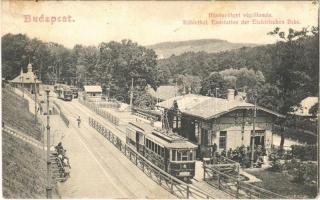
(167,49)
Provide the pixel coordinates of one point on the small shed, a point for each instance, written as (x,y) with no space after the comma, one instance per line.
(92,92)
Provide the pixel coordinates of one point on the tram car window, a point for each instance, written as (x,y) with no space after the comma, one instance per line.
(169,151)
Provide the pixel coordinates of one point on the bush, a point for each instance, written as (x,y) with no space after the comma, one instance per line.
(280,154)
(302,172)
(304,152)
(242,154)
(276,165)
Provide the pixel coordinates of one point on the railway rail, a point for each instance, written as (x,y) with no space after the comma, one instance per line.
(170,183)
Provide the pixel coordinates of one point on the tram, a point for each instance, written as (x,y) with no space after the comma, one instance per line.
(65,93)
(169,151)
(74,91)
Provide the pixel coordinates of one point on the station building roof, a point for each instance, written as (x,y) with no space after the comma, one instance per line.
(304,106)
(209,107)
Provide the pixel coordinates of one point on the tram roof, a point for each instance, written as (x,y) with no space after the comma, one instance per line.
(169,140)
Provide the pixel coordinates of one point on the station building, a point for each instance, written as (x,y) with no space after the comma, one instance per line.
(228,123)
(26,80)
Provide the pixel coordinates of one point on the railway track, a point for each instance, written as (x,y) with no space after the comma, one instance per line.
(117,136)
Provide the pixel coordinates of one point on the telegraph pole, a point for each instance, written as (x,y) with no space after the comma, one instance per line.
(131,94)
(217,92)
(22,85)
(253,130)
(48,188)
(35,100)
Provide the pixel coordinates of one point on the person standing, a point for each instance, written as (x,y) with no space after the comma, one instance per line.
(79,121)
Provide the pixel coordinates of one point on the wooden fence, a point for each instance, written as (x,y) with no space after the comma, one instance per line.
(94,107)
(234,186)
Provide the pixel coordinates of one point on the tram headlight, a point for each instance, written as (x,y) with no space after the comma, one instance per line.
(185,166)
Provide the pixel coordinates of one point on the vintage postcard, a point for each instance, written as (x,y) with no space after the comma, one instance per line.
(160,99)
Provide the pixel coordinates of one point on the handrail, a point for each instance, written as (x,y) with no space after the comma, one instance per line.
(162,178)
(24,136)
(62,115)
(254,191)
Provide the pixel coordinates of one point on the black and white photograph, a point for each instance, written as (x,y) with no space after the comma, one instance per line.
(160,99)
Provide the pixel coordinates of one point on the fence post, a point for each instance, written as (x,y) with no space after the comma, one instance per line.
(136,159)
(187,192)
(238,184)
(204,172)
(171,185)
(142,166)
(219,181)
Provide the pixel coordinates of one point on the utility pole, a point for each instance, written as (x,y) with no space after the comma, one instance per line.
(318,106)
(22,86)
(131,94)
(217,92)
(35,99)
(48,188)
(175,90)
(253,130)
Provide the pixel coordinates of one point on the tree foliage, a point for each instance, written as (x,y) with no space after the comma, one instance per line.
(112,65)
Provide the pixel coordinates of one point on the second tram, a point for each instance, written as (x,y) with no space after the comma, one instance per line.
(65,93)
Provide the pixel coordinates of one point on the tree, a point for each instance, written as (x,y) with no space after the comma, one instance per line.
(124,61)
(290,76)
(214,82)
(243,78)
(13,53)
(189,84)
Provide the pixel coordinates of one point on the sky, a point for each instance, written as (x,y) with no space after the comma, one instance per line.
(152,22)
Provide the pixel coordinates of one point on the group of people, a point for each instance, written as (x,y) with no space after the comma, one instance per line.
(64,160)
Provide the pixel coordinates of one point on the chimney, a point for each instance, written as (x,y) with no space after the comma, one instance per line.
(241,96)
(230,95)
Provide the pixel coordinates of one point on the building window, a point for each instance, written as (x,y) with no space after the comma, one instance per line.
(223,140)
(196,131)
(178,156)
(174,155)
(174,122)
(178,122)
